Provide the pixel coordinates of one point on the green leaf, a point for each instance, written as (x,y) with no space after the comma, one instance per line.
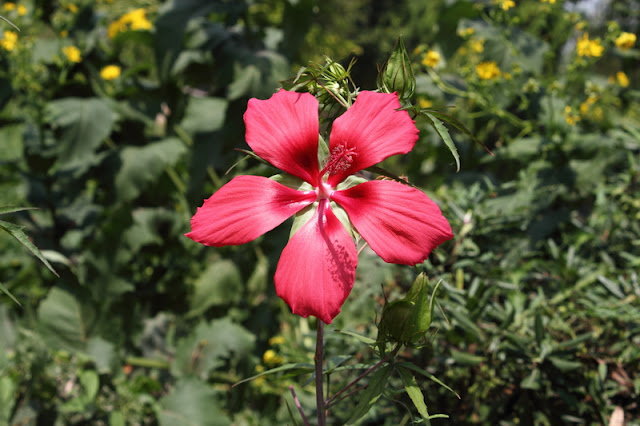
(219,284)
(209,346)
(142,166)
(297,368)
(64,320)
(364,339)
(458,125)
(204,114)
(18,234)
(90,382)
(428,375)
(383,172)
(192,403)
(84,123)
(8,293)
(14,209)
(414,392)
(368,397)
(444,134)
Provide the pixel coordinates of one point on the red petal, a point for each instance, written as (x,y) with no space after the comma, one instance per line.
(317,268)
(400,223)
(375,129)
(244,209)
(284,131)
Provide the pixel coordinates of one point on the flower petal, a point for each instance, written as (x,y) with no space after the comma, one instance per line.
(244,209)
(284,131)
(317,268)
(376,130)
(400,223)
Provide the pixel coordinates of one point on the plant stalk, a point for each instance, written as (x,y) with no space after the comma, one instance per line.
(318,358)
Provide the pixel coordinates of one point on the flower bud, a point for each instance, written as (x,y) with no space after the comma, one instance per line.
(397,75)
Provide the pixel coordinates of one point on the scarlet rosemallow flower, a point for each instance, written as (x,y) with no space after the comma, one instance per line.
(317,267)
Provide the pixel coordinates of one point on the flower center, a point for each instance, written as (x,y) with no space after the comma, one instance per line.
(340,160)
(324,190)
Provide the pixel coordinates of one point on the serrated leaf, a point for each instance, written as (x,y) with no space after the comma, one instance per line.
(219,284)
(414,392)
(84,123)
(191,403)
(143,165)
(18,234)
(440,128)
(368,397)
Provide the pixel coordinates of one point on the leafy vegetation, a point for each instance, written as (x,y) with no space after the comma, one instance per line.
(118,118)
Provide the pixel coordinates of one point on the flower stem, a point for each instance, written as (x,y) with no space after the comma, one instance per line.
(322,419)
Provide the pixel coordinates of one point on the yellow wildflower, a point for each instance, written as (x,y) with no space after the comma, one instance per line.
(626,41)
(9,6)
(136,20)
(271,358)
(466,32)
(72,8)
(586,105)
(589,48)
(22,10)
(549,1)
(110,72)
(64,33)
(477,45)
(569,117)
(9,40)
(431,59)
(425,103)
(276,340)
(488,70)
(72,53)
(505,4)
(622,79)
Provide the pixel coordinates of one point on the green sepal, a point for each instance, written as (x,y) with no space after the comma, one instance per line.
(406,320)
(304,215)
(397,74)
(292,182)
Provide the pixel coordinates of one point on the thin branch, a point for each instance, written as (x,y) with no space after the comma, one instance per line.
(318,358)
(297,402)
(360,377)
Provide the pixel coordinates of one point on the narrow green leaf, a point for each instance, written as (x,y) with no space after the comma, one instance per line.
(458,125)
(414,392)
(18,234)
(8,293)
(14,209)
(368,397)
(295,423)
(364,339)
(444,134)
(304,368)
(428,375)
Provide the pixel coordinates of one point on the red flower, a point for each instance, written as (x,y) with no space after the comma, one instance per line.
(317,267)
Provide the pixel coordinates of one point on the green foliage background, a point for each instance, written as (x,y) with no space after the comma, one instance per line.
(538,317)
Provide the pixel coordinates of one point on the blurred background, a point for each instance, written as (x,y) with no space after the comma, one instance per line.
(118,118)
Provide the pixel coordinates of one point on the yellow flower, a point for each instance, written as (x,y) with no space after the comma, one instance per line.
(488,70)
(9,6)
(466,32)
(64,33)
(477,45)
(569,117)
(136,20)
(505,4)
(425,103)
(9,40)
(549,1)
(589,48)
(72,53)
(110,72)
(72,8)
(431,59)
(276,340)
(626,41)
(22,10)
(271,358)
(622,79)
